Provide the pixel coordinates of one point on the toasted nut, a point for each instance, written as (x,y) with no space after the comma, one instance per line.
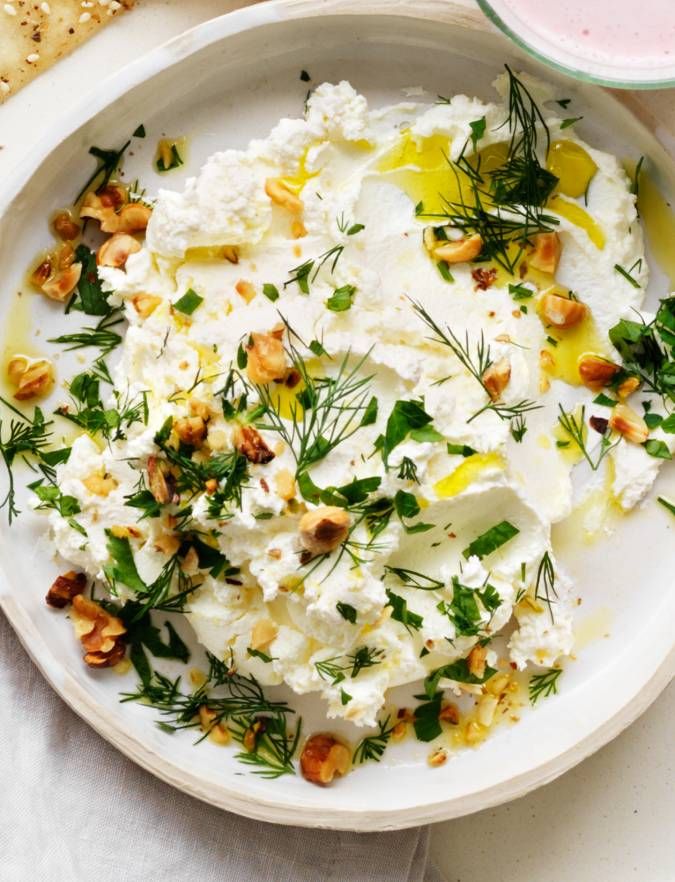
(99,632)
(546,253)
(263,633)
(64,281)
(487,705)
(16,368)
(281,195)
(190,562)
(133,218)
(322,758)
(246,290)
(230,253)
(438,757)
(145,304)
(64,588)
(429,239)
(31,379)
(449,714)
(211,486)
(627,387)
(113,195)
(266,358)
(399,731)
(218,732)
(106,659)
(252,734)
(561,311)
(324,528)
(42,272)
(65,227)
(626,422)
(191,430)
(100,485)
(116,250)
(158,481)
(495,685)
(459,251)
(284,483)
(496,378)
(596,372)
(250,443)
(476,661)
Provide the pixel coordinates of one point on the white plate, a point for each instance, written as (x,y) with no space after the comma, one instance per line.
(221,84)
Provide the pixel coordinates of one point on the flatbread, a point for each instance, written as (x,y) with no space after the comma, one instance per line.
(34,34)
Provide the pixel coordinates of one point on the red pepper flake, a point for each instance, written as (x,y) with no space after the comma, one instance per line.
(483,278)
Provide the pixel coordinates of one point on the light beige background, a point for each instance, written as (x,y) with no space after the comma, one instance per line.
(611,818)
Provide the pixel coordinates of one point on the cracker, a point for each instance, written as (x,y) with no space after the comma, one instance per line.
(34,34)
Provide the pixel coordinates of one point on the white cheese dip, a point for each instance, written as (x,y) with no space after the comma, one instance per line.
(351,190)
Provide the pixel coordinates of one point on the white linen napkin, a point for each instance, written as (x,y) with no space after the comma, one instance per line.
(73,809)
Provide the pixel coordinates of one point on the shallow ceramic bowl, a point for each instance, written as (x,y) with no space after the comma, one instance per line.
(221,84)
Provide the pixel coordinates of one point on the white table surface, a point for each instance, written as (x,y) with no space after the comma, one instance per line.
(613,816)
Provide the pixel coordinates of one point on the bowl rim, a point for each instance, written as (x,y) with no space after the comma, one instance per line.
(276,810)
(576,72)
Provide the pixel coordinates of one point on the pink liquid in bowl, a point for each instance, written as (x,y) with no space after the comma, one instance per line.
(607,32)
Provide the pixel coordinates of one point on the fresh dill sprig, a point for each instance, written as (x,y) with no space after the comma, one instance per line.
(306,272)
(407,470)
(476,363)
(327,412)
(518,428)
(236,701)
(575,427)
(544,588)
(543,685)
(505,208)
(99,337)
(26,437)
(337,669)
(372,747)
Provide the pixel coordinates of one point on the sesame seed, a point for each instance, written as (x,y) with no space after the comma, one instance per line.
(114,5)
(4,87)
(45,7)
(32,58)
(9,9)
(84,18)
(86,4)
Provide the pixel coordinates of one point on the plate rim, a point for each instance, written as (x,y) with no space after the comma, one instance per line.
(106,724)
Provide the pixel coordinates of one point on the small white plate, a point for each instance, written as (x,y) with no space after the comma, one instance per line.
(221,84)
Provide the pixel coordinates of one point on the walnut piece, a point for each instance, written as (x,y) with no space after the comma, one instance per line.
(100,633)
(250,443)
(323,757)
(64,588)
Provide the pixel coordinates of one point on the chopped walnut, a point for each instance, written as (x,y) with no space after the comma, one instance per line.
(64,588)
(323,757)
(250,443)
(100,633)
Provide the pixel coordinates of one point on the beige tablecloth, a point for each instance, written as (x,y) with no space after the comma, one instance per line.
(73,809)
